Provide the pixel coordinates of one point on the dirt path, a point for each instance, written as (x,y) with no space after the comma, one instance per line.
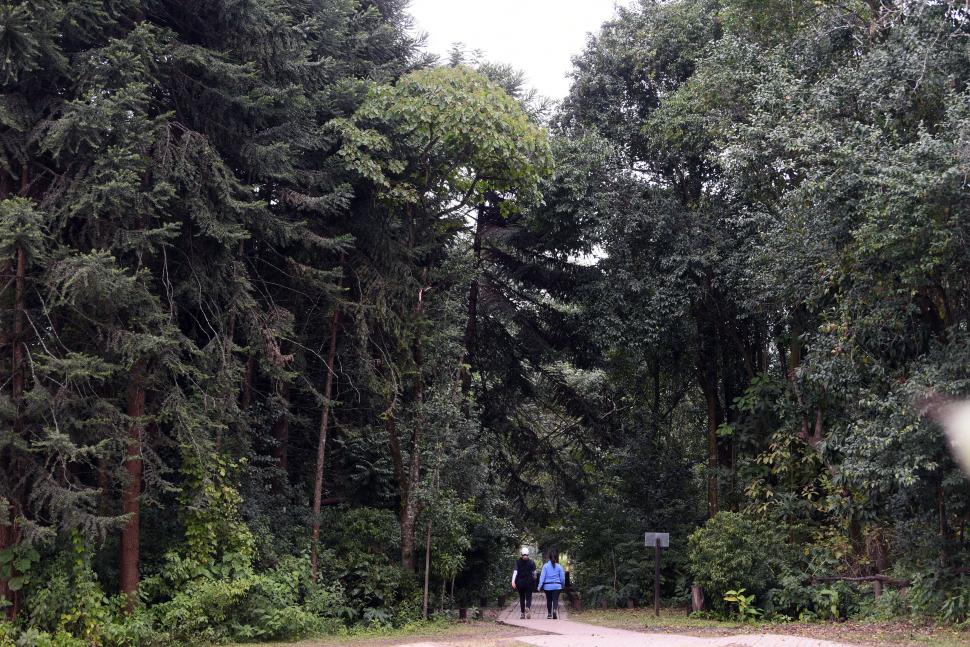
(567,633)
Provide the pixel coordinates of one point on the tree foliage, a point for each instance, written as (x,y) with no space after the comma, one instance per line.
(301,327)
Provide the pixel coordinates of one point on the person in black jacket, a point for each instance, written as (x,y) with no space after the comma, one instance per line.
(523,581)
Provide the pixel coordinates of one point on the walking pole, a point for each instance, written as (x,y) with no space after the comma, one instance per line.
(656,578)
(659,540)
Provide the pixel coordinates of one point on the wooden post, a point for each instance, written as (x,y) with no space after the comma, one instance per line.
(577,602)
(877,588)
(656,577)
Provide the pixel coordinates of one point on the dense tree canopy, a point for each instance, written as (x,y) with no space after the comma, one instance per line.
(301,327)
(788,264)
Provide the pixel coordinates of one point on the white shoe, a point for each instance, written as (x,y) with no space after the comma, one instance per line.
(528,614)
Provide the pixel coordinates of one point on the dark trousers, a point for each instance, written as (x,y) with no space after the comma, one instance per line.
(552,601)
(525,597)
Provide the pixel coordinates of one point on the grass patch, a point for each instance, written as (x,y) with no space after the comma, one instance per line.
(677,621)
(670,621)
(484,633)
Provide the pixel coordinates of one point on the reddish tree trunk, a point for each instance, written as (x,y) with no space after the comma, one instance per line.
(132,489)
(322,443)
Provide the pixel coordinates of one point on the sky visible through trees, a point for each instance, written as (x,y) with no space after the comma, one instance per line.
(539,37)
(301,328)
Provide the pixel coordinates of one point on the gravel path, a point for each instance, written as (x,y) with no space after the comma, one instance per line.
(567,633)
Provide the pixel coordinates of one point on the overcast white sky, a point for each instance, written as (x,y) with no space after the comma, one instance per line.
(537,36)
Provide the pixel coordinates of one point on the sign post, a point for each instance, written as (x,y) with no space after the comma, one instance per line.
(658,540)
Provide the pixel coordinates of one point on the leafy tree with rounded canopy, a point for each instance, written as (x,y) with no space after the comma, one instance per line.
(435,144)
(448,136)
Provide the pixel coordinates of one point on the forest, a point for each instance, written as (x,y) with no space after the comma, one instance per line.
(303,328)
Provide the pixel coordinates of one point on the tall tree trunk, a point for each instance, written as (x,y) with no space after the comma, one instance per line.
(322,443)
(655,409)
(427,550)
(281,434)
(726,446)
(427,571)
(712,490)
(6,525)
(11,535)
(228,346)
(468,362)
(410,513)
(131,492)
(246,397)
(397,457)
(707,361)
(945,532)
(17,341)
(104,485)
(8,538)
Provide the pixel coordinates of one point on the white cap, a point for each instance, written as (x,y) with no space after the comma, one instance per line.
(525,550)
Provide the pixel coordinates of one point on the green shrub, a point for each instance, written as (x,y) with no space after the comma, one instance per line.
(203,611)
(33,637)
(279,604)
(734,551)
(743,604)
(65,606)
(283,603)
(329,601)
(891,605)
(941,595)
(7,633)
(131,629)
(838,600)
(790,596)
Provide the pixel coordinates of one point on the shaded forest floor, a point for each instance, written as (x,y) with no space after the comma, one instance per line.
(901,633)
(485,633)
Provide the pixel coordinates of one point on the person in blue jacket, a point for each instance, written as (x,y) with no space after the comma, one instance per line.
(552,580)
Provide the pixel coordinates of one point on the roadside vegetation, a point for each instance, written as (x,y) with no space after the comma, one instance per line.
(859,632)
(303,332)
